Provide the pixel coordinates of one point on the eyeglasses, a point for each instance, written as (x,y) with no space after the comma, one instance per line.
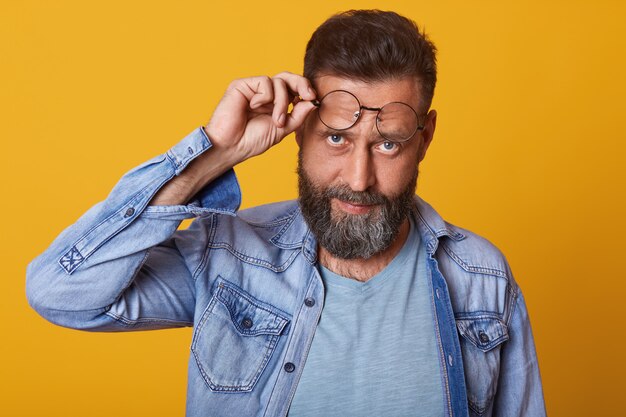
(395,121)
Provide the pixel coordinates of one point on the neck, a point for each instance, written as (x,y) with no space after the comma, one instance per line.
(362,269)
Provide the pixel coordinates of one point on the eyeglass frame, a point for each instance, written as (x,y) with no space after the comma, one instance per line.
(318,103)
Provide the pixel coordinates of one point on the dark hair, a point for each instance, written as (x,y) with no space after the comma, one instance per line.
(372,45)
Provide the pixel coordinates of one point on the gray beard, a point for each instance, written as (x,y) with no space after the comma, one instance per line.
(351,236)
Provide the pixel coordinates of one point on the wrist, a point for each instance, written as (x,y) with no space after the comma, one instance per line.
(196,175)
(231,153)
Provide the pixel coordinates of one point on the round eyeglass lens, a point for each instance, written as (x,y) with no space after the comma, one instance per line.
(339,110)
(397,122)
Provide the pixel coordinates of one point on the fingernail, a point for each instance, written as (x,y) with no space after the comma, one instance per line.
(311,92)
(281,119)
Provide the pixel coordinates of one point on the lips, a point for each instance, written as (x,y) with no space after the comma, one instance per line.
(353,208)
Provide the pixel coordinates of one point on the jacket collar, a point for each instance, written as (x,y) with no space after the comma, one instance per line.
(432,226)
(294,233)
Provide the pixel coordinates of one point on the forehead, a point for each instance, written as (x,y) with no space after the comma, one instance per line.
(372,93)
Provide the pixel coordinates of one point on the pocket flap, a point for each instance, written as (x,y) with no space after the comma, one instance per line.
(484,332)
(250,316)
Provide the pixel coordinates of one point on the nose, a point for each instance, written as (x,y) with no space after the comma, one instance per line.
(358,171)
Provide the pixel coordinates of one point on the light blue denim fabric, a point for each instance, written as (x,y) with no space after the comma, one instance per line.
(247,282)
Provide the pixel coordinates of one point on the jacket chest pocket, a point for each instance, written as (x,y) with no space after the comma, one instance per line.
(481,340)
(235,338)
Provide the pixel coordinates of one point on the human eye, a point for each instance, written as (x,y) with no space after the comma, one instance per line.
(335,139)
(388,147)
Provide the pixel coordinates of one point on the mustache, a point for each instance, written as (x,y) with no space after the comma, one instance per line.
(344,193)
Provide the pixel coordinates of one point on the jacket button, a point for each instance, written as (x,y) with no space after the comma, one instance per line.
(129,212)
(309,302)
(246,323)
(290,367)
(483,337)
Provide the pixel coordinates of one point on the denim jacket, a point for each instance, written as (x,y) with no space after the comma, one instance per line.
(248,284)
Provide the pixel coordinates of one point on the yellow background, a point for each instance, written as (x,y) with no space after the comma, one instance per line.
(529,152)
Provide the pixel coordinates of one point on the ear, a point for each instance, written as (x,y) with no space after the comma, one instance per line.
(427,133)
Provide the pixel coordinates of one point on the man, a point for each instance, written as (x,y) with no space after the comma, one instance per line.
(357,299)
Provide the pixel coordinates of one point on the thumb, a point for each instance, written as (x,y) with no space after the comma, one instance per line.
(297,117)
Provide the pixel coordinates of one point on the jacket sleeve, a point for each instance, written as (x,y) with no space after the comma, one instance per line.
(519,390)
(123,265)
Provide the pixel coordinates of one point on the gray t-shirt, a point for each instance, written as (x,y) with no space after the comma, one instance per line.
(374,352)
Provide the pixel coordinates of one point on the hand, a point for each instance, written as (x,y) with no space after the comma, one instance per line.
(252,116)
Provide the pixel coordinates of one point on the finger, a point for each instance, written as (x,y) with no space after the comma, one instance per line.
(281,102)
(297,116)
(257,90)
(263,109)
(298,85)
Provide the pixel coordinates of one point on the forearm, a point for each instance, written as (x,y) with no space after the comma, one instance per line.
(98,258)
(200,172)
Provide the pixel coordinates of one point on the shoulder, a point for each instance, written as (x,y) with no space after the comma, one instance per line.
(474,253)
(476,271)
(264,236)
(267,215)
(263,216)
(470,251)
(279,224)
(264,220)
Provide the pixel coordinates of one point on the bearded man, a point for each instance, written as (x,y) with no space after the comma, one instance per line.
(356,299)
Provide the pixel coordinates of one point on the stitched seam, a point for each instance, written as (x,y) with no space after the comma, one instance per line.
(269,350)
(205,255)
(309,342)
(425,223)
(116,212)
(473,268)
(447,231)
(512,307)
(109,217)
(113,234)
(451,234)
(514,294)
(277,220)
(129,321)
(492,345)
(205,315)
(267,225)
(172,158)
(475,408)
(477,315)
(442,355)
(278,235)
(255,303)
(470,338)
(255,261)
(239,291)
(269,346)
